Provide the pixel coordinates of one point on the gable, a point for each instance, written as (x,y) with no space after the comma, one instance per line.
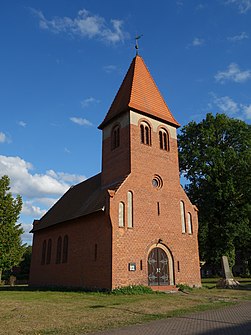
(80,200)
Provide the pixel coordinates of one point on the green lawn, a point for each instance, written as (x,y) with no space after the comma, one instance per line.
(53,312)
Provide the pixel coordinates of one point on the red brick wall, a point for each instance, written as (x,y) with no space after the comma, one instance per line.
(116,163)
(81,269)
(116,247)
(132,245)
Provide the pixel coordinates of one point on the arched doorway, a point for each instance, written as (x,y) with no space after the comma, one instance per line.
(160,267)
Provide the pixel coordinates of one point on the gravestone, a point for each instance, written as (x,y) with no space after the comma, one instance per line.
(228,280)
(227,273)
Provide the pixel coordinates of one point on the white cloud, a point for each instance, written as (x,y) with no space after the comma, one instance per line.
(201,6)
(240,37)
(30,185)
(27,236)
(29,209)
(86,102)
(243,5)
(80,121)
(247,111)
(109,68)
(197,41)
(3,137)
(38,191)
(22,123)
(84,25)
(230,107)
(233,73)
(226,105)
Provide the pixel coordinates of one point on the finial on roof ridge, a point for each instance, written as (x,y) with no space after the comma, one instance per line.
(137,44)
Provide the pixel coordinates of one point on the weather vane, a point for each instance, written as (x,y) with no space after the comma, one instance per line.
(137,44)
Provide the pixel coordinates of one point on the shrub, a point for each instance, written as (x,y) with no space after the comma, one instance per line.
(184,287)
(133,289)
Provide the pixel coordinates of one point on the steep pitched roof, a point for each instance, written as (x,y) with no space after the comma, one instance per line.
(80,200)
(138,91)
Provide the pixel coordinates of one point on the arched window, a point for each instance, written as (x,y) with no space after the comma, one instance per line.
(115,137)
(43,252)
(145,133)
(59,250)
(65,249)
(129,209)
(121,214)
(189,223)
(183,219)
(48,256)
(163,140)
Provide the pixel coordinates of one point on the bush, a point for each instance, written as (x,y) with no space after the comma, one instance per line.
(184,287)
(133,289)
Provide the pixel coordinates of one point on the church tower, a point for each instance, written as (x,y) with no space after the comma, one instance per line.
(138,115)
(154,223)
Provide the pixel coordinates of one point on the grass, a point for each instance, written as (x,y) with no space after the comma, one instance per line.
(55,312)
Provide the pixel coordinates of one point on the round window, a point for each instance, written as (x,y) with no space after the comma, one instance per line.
(157,181)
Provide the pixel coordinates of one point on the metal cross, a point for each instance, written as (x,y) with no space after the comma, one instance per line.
(137,44)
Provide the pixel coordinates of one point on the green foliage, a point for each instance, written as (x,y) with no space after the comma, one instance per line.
(215,157)
(184,287)
(133,289)
(26,262)
(11,249)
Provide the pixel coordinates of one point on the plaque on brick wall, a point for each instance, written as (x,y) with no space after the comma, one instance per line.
(132,266)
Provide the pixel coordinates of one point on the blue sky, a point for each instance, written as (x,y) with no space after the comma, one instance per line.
(62,63)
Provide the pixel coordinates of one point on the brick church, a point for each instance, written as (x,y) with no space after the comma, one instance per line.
(132,223)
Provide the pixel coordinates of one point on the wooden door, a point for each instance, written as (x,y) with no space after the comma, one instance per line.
(158,268)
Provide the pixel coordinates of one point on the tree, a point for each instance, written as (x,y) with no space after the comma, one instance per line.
(215,157)
(24,266)
(11,248)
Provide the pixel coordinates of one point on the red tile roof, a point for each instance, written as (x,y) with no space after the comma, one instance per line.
(138,91)
(80,200)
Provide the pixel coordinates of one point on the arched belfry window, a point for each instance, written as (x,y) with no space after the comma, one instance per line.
(115,137)
(163,139)
(145,133)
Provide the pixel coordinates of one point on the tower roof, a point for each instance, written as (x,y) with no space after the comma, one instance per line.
(138,91)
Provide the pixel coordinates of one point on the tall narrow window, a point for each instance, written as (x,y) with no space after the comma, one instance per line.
(43,252)
(121,214)
(65,249)
(129,209)
(183,219)
(48,256)
(189,223)
(163,140)
(95,252)
(145,133)
(59,250)
(115,137)
(158,208)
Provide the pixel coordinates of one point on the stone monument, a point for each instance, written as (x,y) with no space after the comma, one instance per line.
(228,280)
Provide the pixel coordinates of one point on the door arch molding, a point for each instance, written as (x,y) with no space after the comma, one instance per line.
(169,258)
